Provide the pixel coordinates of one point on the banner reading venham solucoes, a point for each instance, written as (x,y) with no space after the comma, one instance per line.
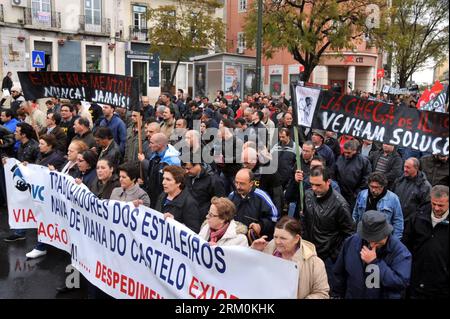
(131,252)
(112,89)
(378,121)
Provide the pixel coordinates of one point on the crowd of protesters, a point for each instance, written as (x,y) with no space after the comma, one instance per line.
(227,170)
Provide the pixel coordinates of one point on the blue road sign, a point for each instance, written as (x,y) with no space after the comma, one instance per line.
(38,59)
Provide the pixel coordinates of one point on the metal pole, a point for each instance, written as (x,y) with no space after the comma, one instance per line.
(258,47)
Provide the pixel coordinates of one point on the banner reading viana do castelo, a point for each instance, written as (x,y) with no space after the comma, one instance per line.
(131,252)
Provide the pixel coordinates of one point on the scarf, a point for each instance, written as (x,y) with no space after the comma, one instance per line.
(435,220)
(216,235)
(372,201)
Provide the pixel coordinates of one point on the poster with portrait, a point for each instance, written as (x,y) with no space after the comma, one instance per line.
(249,80)
(200,79)
(232,81)
(275,84)
(307,100)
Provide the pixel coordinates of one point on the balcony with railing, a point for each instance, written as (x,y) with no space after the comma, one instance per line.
(138,33)
(42,19)
(2,17)
(94,25)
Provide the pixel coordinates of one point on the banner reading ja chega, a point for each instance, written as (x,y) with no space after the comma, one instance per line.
(131,252)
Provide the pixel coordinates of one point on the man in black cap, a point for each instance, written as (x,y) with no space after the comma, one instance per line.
(372,263)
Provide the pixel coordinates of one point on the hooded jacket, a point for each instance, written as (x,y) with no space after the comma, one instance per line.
(312,280)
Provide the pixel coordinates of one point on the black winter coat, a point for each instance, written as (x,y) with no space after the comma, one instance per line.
(352,176)
(112,153)
(327,222)
(430,250)
(286,161)
(205,187)
(437,172)
(184,209)
(412,193)
(28,152)
(55,158)
(103,191)
(394,166)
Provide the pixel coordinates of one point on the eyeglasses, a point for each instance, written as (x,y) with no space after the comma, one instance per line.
(210,214)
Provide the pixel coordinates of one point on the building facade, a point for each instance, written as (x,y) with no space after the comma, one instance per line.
(355,69)
(107,36)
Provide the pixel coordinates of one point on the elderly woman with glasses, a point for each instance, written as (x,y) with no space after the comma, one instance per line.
(220,229)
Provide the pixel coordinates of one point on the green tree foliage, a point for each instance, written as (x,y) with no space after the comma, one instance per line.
(185,28)
(308,27)
(414,32)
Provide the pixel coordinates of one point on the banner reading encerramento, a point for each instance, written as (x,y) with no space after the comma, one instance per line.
(378,121)
(131,252)
(112,89)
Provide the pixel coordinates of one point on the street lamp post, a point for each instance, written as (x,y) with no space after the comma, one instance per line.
(258,47)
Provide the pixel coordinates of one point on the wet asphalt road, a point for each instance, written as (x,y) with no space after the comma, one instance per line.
(22,278)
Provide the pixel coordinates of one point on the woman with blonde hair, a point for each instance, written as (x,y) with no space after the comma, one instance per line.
(220,229)
(288,244)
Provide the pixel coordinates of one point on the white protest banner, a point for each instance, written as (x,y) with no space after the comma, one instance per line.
(20,196)
(131,252)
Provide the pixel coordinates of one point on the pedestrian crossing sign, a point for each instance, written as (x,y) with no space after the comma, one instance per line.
(38,59)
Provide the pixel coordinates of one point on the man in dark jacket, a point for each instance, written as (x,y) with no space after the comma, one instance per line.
(412,189)
(28,152)
(388,162)
(254,208)
(53,121)
(352,172)
(436,169)
(162,155)
(203,184)
(427,238)
(318,139)
(327,219)
(108,147)
(372,264)
(258,131)
(332,142)
(83,133)
(7,83)
(6,150)
(67,120)
(285,152)
(116,125)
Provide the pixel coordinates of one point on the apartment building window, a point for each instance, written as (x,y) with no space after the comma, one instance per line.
(240,42)
(242,6)
(93,11)
(139,17)
(41,11)
(93,58)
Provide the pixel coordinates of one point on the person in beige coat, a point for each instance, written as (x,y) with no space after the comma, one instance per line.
(288,244)
(219,228)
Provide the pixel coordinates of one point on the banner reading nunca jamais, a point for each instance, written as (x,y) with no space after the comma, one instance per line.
(377,121)
(131,252)
(112,89)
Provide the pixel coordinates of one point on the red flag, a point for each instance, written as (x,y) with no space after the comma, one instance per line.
(424,99)
(435,90)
